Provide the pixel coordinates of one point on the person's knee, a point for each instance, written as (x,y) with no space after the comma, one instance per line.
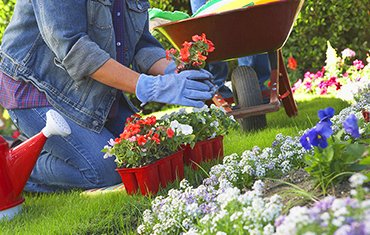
(102,176)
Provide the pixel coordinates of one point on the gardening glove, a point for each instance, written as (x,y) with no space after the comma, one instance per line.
(171,68)
(188,88)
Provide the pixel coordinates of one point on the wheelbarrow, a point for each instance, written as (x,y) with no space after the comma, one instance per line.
(257,29)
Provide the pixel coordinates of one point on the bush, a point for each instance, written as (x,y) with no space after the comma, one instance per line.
(344,23)
(6,12)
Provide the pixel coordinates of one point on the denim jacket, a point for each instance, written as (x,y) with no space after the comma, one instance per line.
(56,45)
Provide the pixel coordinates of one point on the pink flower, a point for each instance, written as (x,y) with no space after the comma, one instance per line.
(323,91)
(308,85)
(348,53)
(297,85)
(358,64)
(331,81)
(345,74)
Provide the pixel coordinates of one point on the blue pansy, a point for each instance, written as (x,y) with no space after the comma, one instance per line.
(351,127)
(318,135)
(326,114)
(305,141)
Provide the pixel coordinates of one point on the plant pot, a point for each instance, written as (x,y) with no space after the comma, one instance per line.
(218,147)
(148,178)
(205,150)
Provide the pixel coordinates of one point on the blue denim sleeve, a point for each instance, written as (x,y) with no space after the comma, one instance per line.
(63,26)
(148,51)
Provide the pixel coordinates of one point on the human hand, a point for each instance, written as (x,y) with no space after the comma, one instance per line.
(189,88)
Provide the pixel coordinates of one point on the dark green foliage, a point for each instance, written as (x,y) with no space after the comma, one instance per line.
(345,23)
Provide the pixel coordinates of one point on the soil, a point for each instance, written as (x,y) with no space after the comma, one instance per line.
(304,189)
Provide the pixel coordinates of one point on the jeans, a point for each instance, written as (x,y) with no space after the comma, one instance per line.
(260,63)
(74,161)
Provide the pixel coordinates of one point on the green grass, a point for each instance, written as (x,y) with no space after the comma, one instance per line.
(118,213)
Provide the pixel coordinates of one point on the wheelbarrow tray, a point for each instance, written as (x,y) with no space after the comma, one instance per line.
(241,32)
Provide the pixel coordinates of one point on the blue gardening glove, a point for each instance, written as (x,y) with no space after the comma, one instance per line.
(188,88)
(171,68)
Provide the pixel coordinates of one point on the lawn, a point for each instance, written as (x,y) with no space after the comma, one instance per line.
(118,213)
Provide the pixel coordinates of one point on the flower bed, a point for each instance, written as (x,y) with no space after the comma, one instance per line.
(218,207)
(342,76)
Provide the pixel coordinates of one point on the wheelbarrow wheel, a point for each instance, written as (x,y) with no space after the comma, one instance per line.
(248,93)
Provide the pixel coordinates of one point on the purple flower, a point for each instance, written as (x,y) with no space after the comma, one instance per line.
(351,127)
(318,136)
(305,142)
(279,220)
(326,114)
(324,204)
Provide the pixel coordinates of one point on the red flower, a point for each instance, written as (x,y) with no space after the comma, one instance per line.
(16,134)
(211,46)
(170,133)
(196,38)
(170,52)
(338,86)
(201,57)
(140,140)
(156,138)
(150,120)
(292,63)
(185,54)
(125,135)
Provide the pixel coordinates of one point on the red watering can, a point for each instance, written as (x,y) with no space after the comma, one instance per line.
(16,164)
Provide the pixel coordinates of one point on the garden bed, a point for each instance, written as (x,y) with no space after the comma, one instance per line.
(119,213)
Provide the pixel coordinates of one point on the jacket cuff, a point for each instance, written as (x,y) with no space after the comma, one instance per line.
(84,58)
(147,56)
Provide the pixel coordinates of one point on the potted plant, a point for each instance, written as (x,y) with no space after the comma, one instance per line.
(147,153)
(210,124)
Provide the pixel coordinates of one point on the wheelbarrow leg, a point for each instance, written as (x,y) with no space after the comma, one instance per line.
(285,91)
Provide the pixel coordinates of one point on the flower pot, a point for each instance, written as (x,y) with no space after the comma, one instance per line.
(205,150)
(177,165)
(148,178)
(218,147)
(193,156)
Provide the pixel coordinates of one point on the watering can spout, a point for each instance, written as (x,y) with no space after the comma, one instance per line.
(17,163)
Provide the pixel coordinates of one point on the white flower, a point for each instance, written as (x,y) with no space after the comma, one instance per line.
(141,229)
(174,124)
(191,231)
(268,229)
(221,233)
(111,142)
(258,187)
(357,180)
(185,129)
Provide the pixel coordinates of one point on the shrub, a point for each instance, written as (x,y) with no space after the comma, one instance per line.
(6,12)
(344,23)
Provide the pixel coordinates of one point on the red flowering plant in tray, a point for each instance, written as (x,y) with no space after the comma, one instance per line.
(143,141)
(193,54)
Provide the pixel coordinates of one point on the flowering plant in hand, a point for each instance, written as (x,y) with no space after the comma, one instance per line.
(144,141)
(193,54)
